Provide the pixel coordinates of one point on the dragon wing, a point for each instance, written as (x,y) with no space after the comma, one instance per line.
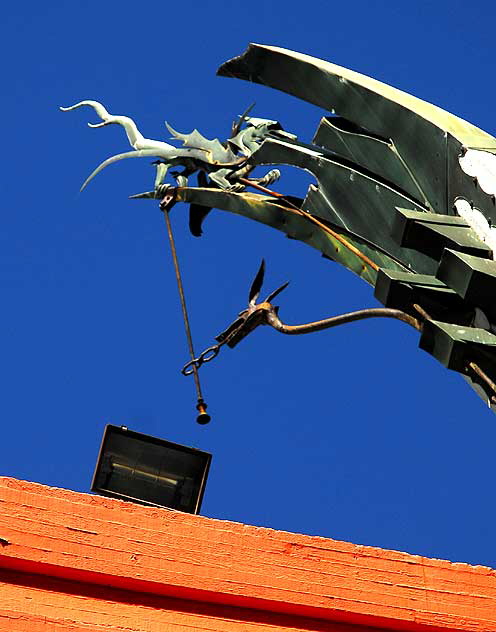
(408,184)
(376,135)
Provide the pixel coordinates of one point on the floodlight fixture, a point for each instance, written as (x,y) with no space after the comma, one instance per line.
(143,469)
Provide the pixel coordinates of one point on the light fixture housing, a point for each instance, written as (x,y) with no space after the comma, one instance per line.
(143,469)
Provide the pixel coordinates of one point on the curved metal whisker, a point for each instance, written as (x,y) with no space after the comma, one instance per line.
(142,153)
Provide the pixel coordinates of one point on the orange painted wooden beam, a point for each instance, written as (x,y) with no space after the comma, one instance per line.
(99,541)
(37,603)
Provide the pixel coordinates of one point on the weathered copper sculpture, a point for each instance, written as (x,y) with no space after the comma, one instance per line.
(405,198)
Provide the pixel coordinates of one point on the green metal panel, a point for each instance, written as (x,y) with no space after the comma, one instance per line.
(326,84)
(347,197)
(401,290)
(455,346)
(431,233)
(473,278)
(374,154)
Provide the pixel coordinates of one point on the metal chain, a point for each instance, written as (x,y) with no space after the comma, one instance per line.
(205,356)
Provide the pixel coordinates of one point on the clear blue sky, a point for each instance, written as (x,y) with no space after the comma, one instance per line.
(353,433)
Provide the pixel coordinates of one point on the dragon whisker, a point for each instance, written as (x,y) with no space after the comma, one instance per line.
(142,153)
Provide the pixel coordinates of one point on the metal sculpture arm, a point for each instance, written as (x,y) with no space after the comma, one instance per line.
(265,313)
(343,319)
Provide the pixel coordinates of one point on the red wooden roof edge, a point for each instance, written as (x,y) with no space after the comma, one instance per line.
(96,540)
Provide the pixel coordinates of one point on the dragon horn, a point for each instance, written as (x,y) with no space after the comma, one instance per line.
(175,135)
(133,134)
(98,107)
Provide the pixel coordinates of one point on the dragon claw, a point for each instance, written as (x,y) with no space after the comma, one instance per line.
(236,188)
(270,177)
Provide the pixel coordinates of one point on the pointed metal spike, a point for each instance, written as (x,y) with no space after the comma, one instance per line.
(146,195)
(248,110)
(175,135)
(237,125)
(273,294)
(256,286)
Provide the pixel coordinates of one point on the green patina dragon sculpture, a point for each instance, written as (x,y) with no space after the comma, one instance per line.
(219,165)
(405,198)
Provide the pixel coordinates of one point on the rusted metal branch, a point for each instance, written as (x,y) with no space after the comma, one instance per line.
(264,313)
(292,208)
(373,312)
(484,377)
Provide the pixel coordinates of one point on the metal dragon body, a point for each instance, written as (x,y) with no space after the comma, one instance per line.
(222,163)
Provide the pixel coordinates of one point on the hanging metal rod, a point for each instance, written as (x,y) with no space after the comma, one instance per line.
(165,205)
